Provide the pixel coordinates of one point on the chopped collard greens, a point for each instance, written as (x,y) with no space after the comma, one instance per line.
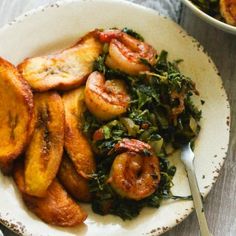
(161,113)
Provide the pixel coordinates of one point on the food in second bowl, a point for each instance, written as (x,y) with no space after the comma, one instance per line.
(224,10)
(228,11)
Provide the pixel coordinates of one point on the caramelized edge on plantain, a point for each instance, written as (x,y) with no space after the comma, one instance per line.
(76,144)
(74,183)
(13,79)
(56,208)
(44,153)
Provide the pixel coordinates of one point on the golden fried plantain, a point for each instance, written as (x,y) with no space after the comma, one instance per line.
(56,208)
(228,11)
(63,70)
(72,181)
(76,144)
(43,155)
(16,114)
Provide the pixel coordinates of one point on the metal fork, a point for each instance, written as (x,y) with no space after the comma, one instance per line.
(187,157)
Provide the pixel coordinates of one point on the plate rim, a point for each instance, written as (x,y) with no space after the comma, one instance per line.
(19,227)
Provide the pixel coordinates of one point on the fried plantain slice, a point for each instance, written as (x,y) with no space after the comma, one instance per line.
(228,11)
(16,114)
(56,208)
(43,155)
(72,181)
(63,70)
(76,144)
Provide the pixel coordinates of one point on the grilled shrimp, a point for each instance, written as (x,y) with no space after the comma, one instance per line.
(134,175)
(105,99)
(125,52)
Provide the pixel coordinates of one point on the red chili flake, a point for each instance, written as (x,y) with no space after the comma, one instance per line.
(98,135)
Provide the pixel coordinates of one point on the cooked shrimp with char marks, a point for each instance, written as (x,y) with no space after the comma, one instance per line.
(106,99)
(126,52)
(135,176)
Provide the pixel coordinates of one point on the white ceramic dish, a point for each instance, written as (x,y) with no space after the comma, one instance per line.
(60,25)
(211,20)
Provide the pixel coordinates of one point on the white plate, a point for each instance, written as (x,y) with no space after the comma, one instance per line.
(60,25)
(209,19)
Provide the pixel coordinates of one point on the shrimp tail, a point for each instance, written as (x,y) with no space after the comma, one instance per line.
(107,35)
(132,145)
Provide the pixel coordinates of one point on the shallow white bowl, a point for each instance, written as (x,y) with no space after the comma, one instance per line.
(60,25)
(209,19)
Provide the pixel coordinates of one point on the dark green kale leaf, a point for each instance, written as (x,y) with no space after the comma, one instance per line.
(113,132)
(90,124)
(99,64)
(133,33)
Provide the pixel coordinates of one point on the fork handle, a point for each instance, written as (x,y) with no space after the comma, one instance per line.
(197,201)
